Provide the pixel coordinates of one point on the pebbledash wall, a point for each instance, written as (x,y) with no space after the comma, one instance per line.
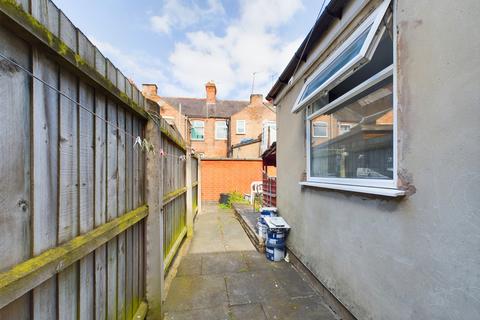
(415,257)
(227,175)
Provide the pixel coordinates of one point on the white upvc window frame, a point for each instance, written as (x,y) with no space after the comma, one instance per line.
(194,127)
(326,129)
(374,183)
(244,127)
(373,22)
(388,188)
(217,129)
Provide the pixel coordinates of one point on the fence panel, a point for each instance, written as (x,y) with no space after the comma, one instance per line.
(174,198)
(72,237)
(71,241)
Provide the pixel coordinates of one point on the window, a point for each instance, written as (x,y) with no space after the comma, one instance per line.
(350,125)
(320,129)
(344,128)
(221,131)
(198,130)
(356,51)
(241,127)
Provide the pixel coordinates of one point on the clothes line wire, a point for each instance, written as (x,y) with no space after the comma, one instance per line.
(28,72)
(66,96)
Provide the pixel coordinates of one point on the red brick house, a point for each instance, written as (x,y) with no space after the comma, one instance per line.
(219,128)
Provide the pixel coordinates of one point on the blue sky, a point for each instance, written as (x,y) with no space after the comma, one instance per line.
(181,44)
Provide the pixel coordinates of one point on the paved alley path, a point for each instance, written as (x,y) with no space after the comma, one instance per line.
(224,277)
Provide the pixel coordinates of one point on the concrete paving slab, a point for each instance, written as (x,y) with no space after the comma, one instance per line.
(257,261)
(253,287)
(193,292)
(236,282)
(298,309)
(294,285)
(190,265)
(253,311)
(217,313)
(223,263)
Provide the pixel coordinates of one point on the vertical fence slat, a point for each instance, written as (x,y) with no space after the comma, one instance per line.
(68,202)
(14,161)
(87,210)
(100,205)
(141,182)
(45,169)
(135,197)
(129,206)
(112,188)
(121,210)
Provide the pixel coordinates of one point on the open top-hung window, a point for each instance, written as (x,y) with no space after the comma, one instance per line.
(350,111)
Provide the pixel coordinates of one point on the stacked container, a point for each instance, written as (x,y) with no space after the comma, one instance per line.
(276,237)
(261,224)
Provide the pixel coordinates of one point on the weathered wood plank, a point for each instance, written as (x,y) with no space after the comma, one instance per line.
(27,275)
(68,226)
(87,193)
(100,205)
(121,308)
(153,225)
(141,312)
(112,207)
(136,201)
(141,181)
(68,32)
(45,173)
(47,14)
(14,163)
(129,204)
(86,50)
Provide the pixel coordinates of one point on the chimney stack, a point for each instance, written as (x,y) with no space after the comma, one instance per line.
(256,98)
(149,89)
(211,92)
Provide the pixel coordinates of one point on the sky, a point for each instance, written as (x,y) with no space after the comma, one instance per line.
(179,45)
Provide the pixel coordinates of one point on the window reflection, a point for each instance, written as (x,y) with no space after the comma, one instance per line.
(359,143)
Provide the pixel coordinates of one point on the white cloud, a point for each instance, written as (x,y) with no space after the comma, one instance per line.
(182,14)
(160,24)
(250,44)
(132,64)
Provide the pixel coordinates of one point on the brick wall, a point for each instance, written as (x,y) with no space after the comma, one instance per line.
(255,114)
(224,176)
(210,147)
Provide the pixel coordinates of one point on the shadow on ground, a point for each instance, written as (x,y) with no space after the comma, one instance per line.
(224,277)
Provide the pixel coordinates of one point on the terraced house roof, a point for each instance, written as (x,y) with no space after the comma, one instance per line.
(193,107)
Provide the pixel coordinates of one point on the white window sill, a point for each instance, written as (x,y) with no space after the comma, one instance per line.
(370,190)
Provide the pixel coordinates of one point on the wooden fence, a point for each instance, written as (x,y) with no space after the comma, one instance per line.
(77,239)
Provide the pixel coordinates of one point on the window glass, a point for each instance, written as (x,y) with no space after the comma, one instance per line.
(319,129)
(360,137)
(221,131)
(198,130)
(338,63)
(241,127)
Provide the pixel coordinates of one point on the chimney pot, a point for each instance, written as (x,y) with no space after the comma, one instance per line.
(256,98)
(149,89)
(211,89)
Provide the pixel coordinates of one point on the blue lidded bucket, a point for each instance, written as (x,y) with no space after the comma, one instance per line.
(275,244)
(276,237)
(275,252)
(262,229)
(267,212)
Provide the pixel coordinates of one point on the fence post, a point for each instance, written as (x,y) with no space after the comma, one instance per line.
(190,213)
(154,277)
(199,184)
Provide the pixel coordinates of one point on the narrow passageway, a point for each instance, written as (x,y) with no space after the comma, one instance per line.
(223,277)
